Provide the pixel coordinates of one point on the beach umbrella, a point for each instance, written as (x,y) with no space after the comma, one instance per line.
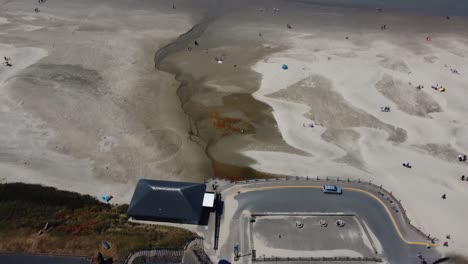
(284,67)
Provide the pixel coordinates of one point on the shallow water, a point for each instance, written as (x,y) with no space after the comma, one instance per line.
(435,7)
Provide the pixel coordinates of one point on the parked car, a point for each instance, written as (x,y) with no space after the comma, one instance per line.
(333,189)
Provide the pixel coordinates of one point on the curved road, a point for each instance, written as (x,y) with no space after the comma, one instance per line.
(395,237)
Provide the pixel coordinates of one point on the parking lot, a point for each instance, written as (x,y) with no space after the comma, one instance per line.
(304,236)
(281,206)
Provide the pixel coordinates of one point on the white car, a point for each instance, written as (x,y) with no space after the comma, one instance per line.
(332,189)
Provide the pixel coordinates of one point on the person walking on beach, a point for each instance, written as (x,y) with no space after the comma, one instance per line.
(444,196)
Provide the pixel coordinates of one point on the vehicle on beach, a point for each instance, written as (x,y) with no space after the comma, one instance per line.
(332,189)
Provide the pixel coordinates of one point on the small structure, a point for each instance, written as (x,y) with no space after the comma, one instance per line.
(209,199)
(168,201)
(299,224)
(323,223)
(340,223)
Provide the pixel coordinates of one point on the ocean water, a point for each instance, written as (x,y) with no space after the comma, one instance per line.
(435,7)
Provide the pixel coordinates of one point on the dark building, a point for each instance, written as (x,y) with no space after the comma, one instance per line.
(167,201)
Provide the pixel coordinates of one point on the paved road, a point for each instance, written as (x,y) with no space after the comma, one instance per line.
(36,259)
(371,211)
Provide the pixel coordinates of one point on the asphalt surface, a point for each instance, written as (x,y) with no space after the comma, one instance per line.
(395,250)
(36,259)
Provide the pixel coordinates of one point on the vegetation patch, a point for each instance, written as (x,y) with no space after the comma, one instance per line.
(76,224)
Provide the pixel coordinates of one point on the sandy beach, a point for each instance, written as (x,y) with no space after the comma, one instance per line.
(340,86)
(342,68)
(84,108)
(81,106)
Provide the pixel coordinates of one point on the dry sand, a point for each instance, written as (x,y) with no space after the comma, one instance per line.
(340,85)
(81,108)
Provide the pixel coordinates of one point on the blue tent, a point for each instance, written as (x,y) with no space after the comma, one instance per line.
(106,198)
(285,67)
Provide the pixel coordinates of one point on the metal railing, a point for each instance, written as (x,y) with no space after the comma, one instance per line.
(168,254)
(142,256)
(271,259)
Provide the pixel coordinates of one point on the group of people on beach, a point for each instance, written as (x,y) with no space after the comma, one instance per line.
(407,165)
(421,258)
(461,157)
(37,8)
(385,108)
(7,61)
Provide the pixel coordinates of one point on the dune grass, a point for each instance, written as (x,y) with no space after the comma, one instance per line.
(76,224)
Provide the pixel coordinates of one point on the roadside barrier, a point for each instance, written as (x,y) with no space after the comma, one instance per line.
(271,259)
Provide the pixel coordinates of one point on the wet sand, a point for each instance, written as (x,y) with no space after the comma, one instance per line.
(218,96)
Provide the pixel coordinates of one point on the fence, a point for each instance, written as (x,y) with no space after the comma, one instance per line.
(168,255)
(219,212)
(362,259)
(198,249)
(165,255)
